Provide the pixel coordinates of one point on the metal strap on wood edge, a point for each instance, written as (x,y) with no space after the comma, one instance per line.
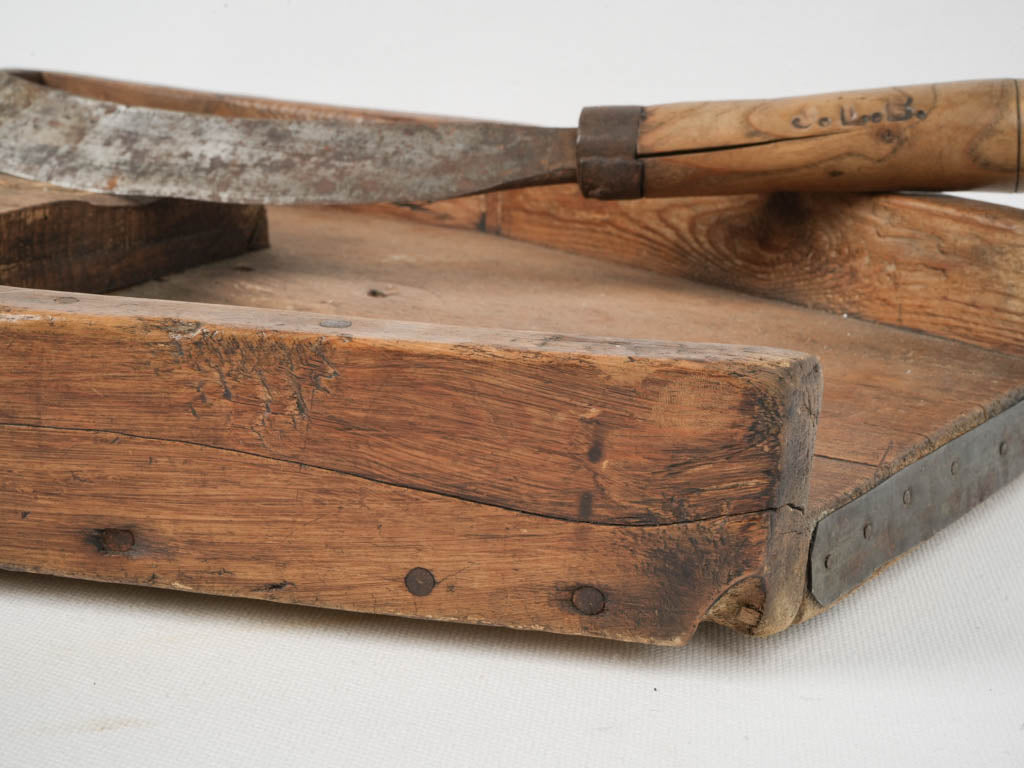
(857,539)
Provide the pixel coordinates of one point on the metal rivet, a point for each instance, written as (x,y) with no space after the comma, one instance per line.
(1003,448)
(954,467)
(588,600)
(420,582)
(117,539)
(908,496)
(868,530)
(828,561)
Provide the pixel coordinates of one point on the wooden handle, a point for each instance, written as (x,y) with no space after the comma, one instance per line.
(947,136)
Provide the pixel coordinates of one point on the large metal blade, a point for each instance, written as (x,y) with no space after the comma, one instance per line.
(50,135)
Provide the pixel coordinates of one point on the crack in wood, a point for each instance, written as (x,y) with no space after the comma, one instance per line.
(432,492)
(743,145)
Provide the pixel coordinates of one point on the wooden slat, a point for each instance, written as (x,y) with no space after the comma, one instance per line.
(313,459)
(575,428)
(75,241)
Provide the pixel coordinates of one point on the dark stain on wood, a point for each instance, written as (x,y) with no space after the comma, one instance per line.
(272,587)
(109,541)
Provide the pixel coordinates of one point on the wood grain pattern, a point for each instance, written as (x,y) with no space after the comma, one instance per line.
(254,512)
(64,240)
(947,266)
(941,136)
(569,427)
(344,263)
(890,395)
(318,460)
(194,517)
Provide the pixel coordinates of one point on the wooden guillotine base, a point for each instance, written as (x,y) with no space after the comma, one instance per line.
(522,408)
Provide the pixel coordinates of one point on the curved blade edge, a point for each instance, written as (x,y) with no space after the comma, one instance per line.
(52,136)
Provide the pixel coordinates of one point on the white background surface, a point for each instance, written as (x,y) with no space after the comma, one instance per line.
(923,666)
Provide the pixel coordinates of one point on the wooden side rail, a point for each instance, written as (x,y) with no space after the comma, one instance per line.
(607,487)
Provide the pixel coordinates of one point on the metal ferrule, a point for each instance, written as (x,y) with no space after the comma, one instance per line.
(607,165)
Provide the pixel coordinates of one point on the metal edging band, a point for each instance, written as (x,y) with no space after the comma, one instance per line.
(856,540)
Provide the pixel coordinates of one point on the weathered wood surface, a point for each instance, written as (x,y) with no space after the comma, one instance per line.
(962,135)
(571,427)
(301,458)
(76,241)
(105,506)
(946,266)
(890,395)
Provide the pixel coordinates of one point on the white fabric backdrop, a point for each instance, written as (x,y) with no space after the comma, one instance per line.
(923,666)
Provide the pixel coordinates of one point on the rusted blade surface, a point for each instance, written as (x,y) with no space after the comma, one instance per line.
(49,135)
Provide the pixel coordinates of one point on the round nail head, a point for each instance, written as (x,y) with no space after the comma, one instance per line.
(420,582)
(588,600)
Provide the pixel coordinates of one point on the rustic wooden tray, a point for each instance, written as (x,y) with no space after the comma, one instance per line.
(730,409)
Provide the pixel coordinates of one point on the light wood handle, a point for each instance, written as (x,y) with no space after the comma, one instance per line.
(949,136)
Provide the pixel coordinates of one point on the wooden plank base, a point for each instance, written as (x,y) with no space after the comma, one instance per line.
(496,506)
(358,463)
(943,265)
(107,473)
